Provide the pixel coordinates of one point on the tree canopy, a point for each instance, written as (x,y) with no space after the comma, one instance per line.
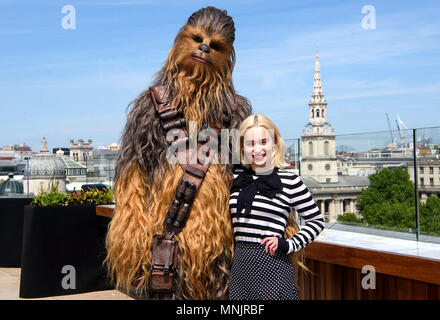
(430,215)
(389,201)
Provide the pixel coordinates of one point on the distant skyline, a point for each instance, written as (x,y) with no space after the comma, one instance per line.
(76,84)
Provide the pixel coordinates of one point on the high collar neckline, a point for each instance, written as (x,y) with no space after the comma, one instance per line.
(263,173)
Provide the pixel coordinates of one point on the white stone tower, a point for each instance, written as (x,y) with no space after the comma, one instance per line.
(44,146)
(318,142)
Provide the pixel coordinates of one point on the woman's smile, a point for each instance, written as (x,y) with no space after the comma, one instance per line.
(259,157)
(258,147)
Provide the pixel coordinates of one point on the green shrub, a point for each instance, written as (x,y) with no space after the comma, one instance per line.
(74,198)
(348,217)
(51,198)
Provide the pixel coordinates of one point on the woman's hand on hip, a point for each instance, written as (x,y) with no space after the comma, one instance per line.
(271,245)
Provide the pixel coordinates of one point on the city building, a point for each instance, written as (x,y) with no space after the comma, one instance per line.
(428,168)
(318,143)
(44,146)
(7,155)
(17,147)
(11,186)
(45,172)
(358,164)
(334,192)
(81,152)
(74,170)
(103,169)
(7,167)
(113,146)
(66,151)
(428,176)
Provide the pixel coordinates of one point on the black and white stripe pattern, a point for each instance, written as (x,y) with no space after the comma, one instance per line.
(268,217)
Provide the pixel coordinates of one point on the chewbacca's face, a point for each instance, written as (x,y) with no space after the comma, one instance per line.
(198,49)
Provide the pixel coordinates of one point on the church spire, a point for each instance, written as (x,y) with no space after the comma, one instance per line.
(317,105)
(318,141)
(317,95)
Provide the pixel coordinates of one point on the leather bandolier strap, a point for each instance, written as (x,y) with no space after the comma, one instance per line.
(194,159)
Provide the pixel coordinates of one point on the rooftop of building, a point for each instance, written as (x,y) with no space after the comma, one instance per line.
(11,186)
(45,165)
(70,163)
(104,152)
(7,163)
(344,181)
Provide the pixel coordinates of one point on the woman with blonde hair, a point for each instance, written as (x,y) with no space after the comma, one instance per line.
(261,199)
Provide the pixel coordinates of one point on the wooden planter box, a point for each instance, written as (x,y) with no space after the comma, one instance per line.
(11,229)
(63,251)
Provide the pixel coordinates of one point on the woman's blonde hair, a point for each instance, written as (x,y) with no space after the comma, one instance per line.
(279,147)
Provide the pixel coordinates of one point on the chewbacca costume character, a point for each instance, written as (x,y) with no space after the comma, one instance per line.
(198,76)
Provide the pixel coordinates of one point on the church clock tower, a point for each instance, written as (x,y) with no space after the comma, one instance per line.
(318,143)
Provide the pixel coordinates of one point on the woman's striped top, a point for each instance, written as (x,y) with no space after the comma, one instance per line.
(268,217)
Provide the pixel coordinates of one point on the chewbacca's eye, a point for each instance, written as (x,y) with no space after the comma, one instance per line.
(197,39)
(215,46)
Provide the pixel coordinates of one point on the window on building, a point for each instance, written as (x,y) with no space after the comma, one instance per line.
(317,113)
(326,144)
(431,181)
(310,148)
(431,170)
(421,169)
(422,181)
(313,113)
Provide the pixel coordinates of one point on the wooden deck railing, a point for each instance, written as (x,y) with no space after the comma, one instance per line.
(336,273)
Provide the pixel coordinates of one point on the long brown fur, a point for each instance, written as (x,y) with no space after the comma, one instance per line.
(145,182)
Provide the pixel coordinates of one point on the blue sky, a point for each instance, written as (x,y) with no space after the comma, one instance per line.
(70,84)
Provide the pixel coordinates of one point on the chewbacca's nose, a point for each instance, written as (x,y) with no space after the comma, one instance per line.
(204,48)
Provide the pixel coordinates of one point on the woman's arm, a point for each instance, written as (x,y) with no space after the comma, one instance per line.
(302,201)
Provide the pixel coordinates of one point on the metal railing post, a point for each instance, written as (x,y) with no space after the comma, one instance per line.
(416,183)
(299,157)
